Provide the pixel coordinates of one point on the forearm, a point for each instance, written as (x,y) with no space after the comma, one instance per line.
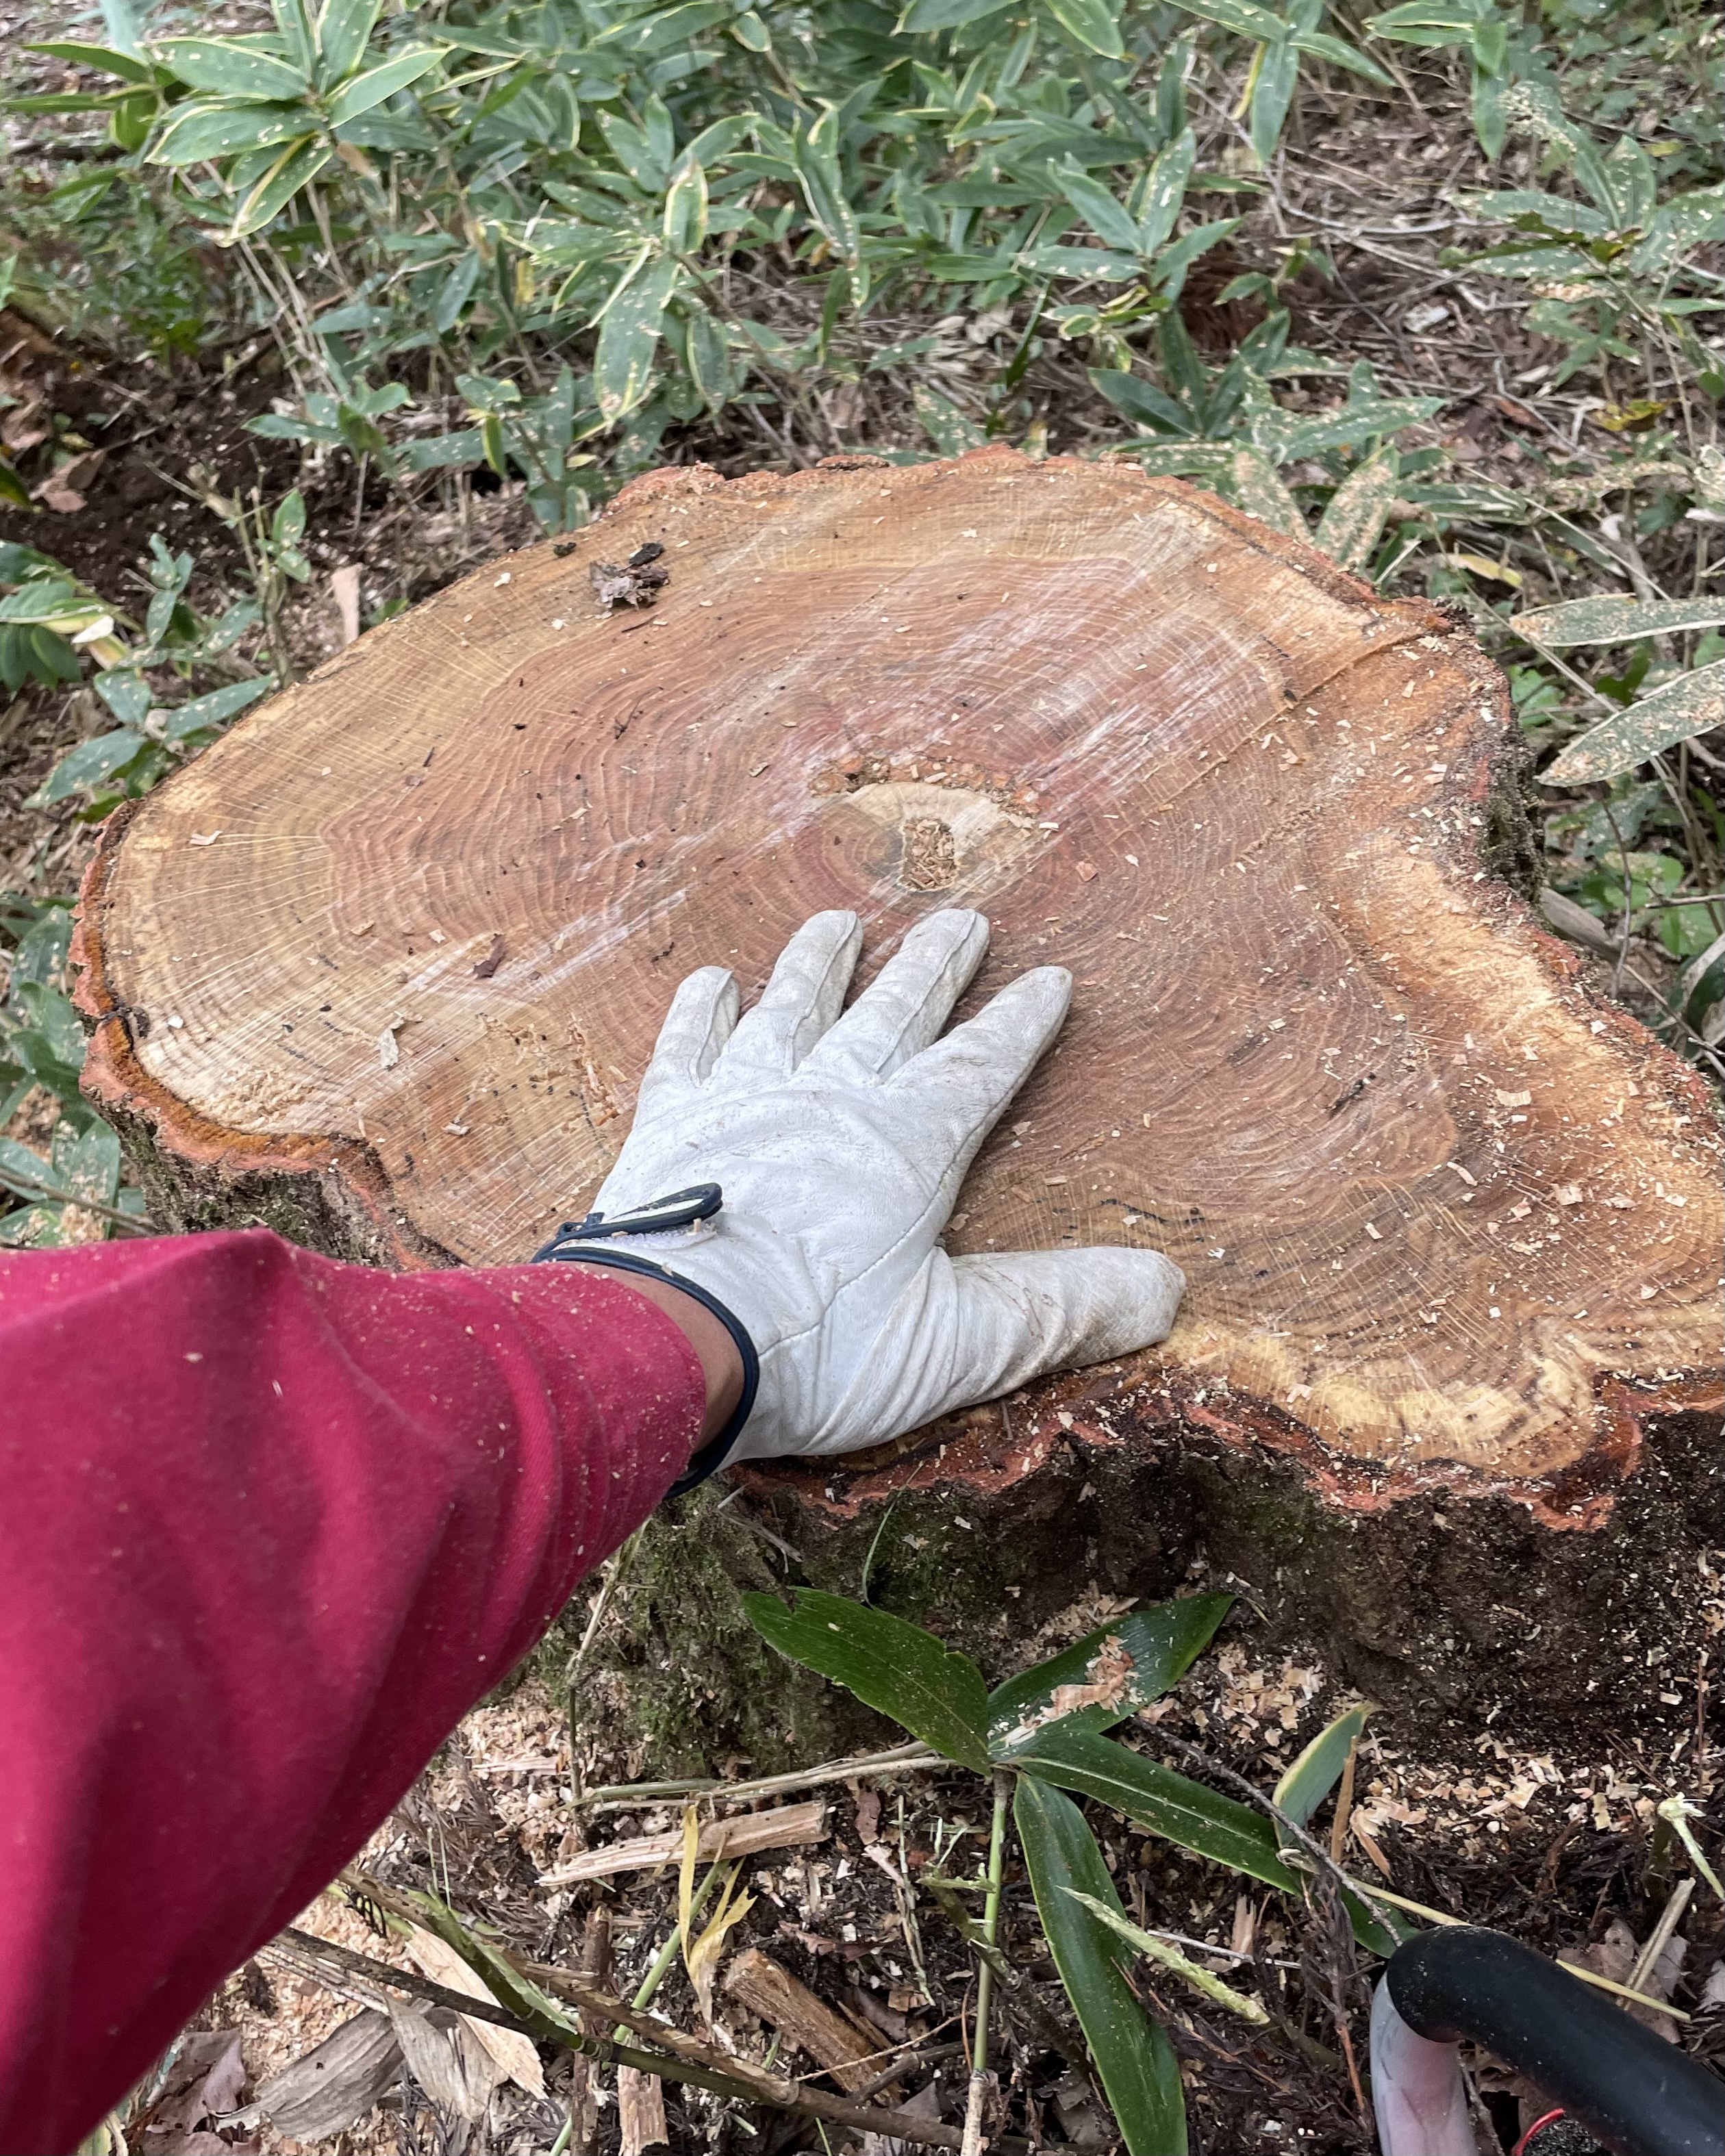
(273,1524)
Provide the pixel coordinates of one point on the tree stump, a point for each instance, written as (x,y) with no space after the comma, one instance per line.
(382,967)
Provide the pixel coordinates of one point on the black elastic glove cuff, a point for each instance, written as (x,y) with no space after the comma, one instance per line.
(591,1242)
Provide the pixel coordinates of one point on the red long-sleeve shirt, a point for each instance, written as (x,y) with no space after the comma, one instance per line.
(269,1526)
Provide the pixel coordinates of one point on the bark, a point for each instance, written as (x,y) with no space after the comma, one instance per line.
(382,967)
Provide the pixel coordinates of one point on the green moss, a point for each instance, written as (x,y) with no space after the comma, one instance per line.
(680,1682)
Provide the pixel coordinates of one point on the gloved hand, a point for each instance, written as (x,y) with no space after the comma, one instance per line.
(840,1144)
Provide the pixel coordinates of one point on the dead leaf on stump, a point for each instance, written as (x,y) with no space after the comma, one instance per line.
(637,582)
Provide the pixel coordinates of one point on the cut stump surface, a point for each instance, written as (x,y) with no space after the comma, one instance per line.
(383,965)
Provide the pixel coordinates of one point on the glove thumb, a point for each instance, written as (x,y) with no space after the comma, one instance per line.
(1028,1311)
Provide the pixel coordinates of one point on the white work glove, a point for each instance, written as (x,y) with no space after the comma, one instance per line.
(840,1144)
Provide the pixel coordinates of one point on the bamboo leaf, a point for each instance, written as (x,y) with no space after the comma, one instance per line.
(103,58)
(363,91)
(1318,1769)
(212,708)
(945,14)
(898,1668)
(1170,1957)
(232,67)
(344,30)
(1285,437)
(1258,489)
(1616,619)
(1169,177)
(1244,17)
(1278,75)
(1133,2057)
(703,1956)
(89,1168)
(1700,992)
(87,766)
(1149,1651)
(1692,704)
(946,426)
(1349,527)
(1091,24)
(1104,214)
(197,131)
(278,187)
(685,209)
(1180,1810)
(1162,1802)
(629,337)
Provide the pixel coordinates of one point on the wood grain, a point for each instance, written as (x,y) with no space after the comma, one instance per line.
(393,952)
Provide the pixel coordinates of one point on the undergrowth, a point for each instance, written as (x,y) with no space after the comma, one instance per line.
(534,249)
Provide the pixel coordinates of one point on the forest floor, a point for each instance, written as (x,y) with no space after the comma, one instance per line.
(1563,1852)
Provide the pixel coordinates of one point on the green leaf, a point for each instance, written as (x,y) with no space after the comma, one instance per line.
(1258,489)
(232,67)
(1091,23)
(1286,437)
(1161,1801)
(19,1160)
(89,1167)
(32,1226)
(629,337)
(363,91)
(195,131)
(685,209)
(1133,2058)
(126,693)
(1700,992)
(103,58)
(1166,191)
(87,766)
(1142,401)
(1278,75)
(12,488)
(1615,618)
(344,30)
(1180,1810)
(1157,1645)
(816,155)
(455,291)
(709,358)
(1100,210)
(1692,704)
(1340,53)
(287,527)
(750,33)
(1423,23)
(897,1668)
(276,188)
(945,14)
(950,430)
(1244,17)
(212,708)
(1318,1769)
(1349,527)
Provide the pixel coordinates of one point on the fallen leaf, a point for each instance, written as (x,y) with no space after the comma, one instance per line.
(513,2052)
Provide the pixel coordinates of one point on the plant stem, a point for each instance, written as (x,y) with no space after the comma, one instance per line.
(667,1953)
(972,2142)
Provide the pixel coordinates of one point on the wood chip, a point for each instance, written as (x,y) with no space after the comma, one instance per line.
(641,2111)
(791,1826)
(784,2004)
(344,590)
(514,2053)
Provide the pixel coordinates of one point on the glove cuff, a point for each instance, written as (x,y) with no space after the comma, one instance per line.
(595,1241)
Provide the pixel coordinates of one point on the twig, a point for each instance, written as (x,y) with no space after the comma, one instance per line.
(1658,1938)
(1198,1757)
(978,2096)
(1056,2034)
(759,2087)
(1344,1806)
(26,1186)
(623,1795)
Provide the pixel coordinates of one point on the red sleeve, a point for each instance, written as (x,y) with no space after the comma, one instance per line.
(269,1526)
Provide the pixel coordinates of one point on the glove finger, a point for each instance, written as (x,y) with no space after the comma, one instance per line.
(967,1080)
(701,1019)
(1026,1312)
(969,1329)
(899,1014)
(798,1003)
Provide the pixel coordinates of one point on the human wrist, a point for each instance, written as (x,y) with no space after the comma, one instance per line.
(715,1350)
